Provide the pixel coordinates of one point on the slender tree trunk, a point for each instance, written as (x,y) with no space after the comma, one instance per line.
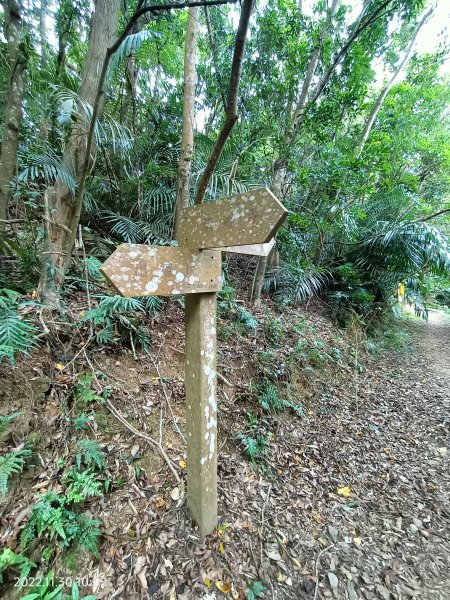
(280,165)
(387,88)
(45,123)
(61,211)
(212,46)
(13,110)
(187,137)
(43,32)
(278,180)
(299,111)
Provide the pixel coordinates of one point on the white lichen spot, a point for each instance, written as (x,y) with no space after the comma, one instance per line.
(151,286)
(212,445)
(179,276)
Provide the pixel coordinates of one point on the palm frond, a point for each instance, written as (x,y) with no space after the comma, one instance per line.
(130,45)
(46,166)
(157,200)
(294,283)
(125,228)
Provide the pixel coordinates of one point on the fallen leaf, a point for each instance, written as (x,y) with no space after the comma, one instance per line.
(207,582)
(182,464)
(160,502)
(273,552)
(175,494)
(344,491)
(221,548)
(315,515)
(333,580)
(60,366)
(224,587)
(357,541)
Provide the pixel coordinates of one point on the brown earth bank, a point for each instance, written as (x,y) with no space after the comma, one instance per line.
(351,500)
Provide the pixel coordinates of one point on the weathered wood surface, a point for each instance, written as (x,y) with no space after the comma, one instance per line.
(139,270)
(244,219)
(253,249)
(201,409)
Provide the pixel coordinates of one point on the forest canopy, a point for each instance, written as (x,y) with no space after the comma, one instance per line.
(337,111)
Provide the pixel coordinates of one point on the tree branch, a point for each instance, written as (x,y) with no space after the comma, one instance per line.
(385,91)
(100,91)
(353,37)
(441,212)
(233,89)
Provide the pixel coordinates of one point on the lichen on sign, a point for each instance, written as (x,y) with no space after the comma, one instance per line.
(250,218)
(136,270)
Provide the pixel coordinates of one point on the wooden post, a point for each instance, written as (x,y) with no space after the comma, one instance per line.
(244,223)
(201,409)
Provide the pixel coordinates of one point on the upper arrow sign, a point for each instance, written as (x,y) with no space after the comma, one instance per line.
(245,219)
(138,270)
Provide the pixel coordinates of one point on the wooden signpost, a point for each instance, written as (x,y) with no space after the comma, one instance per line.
(245,223)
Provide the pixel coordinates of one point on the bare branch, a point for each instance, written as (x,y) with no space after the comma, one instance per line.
(433,216)
(231,114)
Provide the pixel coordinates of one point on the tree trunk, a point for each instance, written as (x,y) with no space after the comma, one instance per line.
(387,88)
(13,110)
(43,36)
(62,210)
(278,180)
(43,32)
(187,138)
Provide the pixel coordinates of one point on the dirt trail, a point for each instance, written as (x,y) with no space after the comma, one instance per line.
(397,463)
(435,344)
(384,435)
(387,439)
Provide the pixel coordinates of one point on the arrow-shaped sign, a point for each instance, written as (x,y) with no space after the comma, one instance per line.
(244,219)
(253,249)
(138,270)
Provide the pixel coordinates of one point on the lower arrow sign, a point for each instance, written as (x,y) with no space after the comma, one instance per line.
(139,270)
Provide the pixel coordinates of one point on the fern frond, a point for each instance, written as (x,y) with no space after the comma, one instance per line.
(125,228)
(157,200)
(82,486)
(5,420)
(89,453)
(16,335)
(11,463)
(89,533)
